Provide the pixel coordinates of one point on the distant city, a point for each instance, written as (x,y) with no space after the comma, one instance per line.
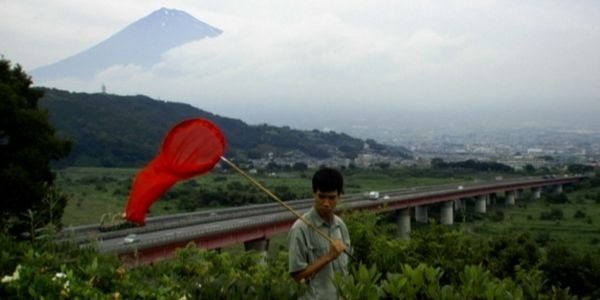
(513,147)
(516,135)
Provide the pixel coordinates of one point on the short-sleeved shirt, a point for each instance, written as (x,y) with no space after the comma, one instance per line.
(306,246)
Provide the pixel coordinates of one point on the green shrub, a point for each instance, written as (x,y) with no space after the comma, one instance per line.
(579,214)
(497,216)
(552,215)
(557,198)
(565,267)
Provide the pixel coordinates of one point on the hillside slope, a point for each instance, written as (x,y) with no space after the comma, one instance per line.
(126,131)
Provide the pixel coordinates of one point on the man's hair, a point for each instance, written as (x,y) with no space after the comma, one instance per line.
(327,180)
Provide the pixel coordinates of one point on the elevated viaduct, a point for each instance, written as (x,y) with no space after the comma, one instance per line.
(254,225)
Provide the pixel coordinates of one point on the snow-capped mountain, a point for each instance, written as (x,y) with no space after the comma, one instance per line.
(141,43)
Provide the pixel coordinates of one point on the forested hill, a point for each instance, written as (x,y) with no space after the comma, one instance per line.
(126,131)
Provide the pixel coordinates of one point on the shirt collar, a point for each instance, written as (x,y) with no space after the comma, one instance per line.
(316,219)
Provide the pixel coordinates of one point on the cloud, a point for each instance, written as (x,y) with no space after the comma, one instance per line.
(286,55)
(320,57)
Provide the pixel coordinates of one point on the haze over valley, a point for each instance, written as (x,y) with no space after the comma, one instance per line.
(489,79)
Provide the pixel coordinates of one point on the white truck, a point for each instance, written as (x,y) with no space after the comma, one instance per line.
(373,195)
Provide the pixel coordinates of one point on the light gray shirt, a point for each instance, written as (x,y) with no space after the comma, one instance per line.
(306,246)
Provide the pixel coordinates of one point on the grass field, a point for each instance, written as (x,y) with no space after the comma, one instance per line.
(579,225)
(94,192)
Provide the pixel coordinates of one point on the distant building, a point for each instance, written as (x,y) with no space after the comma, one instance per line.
(535,151)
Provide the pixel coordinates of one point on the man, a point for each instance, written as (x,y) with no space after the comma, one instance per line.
(312,258)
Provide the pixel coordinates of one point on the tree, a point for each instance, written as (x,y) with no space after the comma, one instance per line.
(529,169)
(579,168)
(557,198)
(383,165)
(300,166)
(27,145)
(437,163)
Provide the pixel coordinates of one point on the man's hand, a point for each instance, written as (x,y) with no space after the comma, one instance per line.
(336,248)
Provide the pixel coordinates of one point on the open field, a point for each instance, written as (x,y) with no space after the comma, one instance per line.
(579,225)
(94,192)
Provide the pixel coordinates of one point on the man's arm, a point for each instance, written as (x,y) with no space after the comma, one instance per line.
(336,248)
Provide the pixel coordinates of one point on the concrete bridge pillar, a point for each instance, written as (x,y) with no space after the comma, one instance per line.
(559,188)
(480,203)
(510,198)
(447,213)
(260,246)
(403,220)
(537,193)
(421,214)
(460,204)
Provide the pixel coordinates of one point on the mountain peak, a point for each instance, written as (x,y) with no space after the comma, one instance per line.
(168,11)
(140,43)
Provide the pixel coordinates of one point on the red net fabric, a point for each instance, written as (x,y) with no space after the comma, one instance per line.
(191,148)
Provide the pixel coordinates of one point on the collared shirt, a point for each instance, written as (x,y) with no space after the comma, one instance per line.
(306,246)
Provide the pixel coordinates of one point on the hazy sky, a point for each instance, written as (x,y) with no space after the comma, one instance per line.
(281,56)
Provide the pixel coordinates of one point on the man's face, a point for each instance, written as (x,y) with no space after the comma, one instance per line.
(325,203)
